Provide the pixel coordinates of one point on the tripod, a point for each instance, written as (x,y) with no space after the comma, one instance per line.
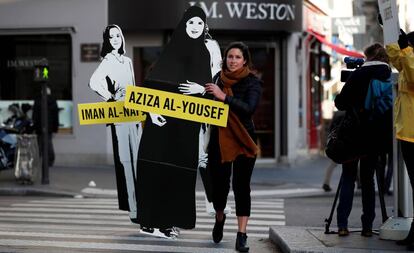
(379,172)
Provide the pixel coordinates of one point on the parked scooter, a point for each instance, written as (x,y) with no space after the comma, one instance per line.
(17,123)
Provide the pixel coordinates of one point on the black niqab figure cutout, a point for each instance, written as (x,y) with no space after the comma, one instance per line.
(168,154)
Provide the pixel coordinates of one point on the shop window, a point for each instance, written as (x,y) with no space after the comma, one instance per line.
(20,53)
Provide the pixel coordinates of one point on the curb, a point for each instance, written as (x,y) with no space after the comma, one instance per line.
(33,191)
(314,240)
(296,240)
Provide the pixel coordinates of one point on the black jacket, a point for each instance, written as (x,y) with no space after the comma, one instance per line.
(356,87)
(377,135)
(245,99)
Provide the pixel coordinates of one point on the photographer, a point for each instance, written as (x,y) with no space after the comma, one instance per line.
(352,98)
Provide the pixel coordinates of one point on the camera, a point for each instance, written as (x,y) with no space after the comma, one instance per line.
(351,64)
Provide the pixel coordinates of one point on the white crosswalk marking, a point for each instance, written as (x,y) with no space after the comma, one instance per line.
(97,225)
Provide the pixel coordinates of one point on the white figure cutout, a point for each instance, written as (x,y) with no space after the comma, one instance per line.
(109,81)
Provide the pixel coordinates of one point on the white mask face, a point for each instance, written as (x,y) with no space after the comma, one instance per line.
(115,38)
(194,27)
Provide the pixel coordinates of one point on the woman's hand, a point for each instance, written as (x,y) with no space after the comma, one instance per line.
(157,119)
(190,88)
(212,88)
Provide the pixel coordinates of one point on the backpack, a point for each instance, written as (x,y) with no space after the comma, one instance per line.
(345,142)
(378,107)
(378,100)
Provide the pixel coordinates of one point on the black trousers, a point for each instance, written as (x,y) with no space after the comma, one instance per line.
(242,172)
(407,150)
(242,169)
(349,174)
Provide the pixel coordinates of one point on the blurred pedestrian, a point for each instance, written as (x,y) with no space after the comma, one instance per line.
(402,58)
(233,148)
(109,81)
(352,99)
(53,123)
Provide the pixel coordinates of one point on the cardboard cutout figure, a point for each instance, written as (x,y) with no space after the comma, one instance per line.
(168,153)
(109,81)
(215,65)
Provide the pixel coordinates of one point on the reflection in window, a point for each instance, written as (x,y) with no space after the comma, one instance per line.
(20,53)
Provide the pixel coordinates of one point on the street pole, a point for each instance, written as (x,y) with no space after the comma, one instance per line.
(42,76)
(45,132)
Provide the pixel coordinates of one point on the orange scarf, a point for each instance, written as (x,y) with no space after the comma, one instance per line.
(234,139)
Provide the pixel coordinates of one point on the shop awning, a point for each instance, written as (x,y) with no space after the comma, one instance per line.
(339,49)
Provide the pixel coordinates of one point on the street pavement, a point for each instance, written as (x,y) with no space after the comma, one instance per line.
(77,212)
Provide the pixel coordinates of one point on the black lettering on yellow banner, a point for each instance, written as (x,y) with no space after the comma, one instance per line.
(177,105)
(107,112)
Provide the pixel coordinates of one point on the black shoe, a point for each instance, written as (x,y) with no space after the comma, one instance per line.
(241,242)
(343,232)
(218,229)
(410,237)
(366,232)
(326,188)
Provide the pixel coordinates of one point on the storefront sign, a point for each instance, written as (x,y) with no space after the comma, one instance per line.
(22,63)
(90,52)
(351,25)
(259,15)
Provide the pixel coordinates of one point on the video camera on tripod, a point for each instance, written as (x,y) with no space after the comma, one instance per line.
(352,63)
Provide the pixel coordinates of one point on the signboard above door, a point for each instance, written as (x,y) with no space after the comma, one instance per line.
(256,15)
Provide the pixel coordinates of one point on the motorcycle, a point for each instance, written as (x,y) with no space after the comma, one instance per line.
(17,124)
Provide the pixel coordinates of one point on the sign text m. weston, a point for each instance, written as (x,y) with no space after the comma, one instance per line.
(243,15)
(252,14)
(250,10)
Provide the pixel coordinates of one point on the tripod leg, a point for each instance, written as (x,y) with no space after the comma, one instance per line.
(329,220)
(379,172)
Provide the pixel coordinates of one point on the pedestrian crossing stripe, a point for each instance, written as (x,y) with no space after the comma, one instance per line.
(120,218)
(109,246)
(230,223)
(91,220)
(96,229)
(254,193)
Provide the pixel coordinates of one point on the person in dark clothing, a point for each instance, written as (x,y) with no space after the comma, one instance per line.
(352,97)
(233,148)
(53,123)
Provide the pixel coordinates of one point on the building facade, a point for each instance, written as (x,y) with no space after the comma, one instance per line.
(69,34)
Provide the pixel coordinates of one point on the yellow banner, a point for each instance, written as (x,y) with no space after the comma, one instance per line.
(177,105)
(107,112)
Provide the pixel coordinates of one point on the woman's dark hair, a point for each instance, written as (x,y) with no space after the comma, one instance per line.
(243,48)
(376,52)
(106,45)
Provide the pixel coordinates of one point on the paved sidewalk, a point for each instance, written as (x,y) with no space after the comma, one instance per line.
(302,239)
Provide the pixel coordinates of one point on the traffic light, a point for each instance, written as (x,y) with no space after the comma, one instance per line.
(41,71)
